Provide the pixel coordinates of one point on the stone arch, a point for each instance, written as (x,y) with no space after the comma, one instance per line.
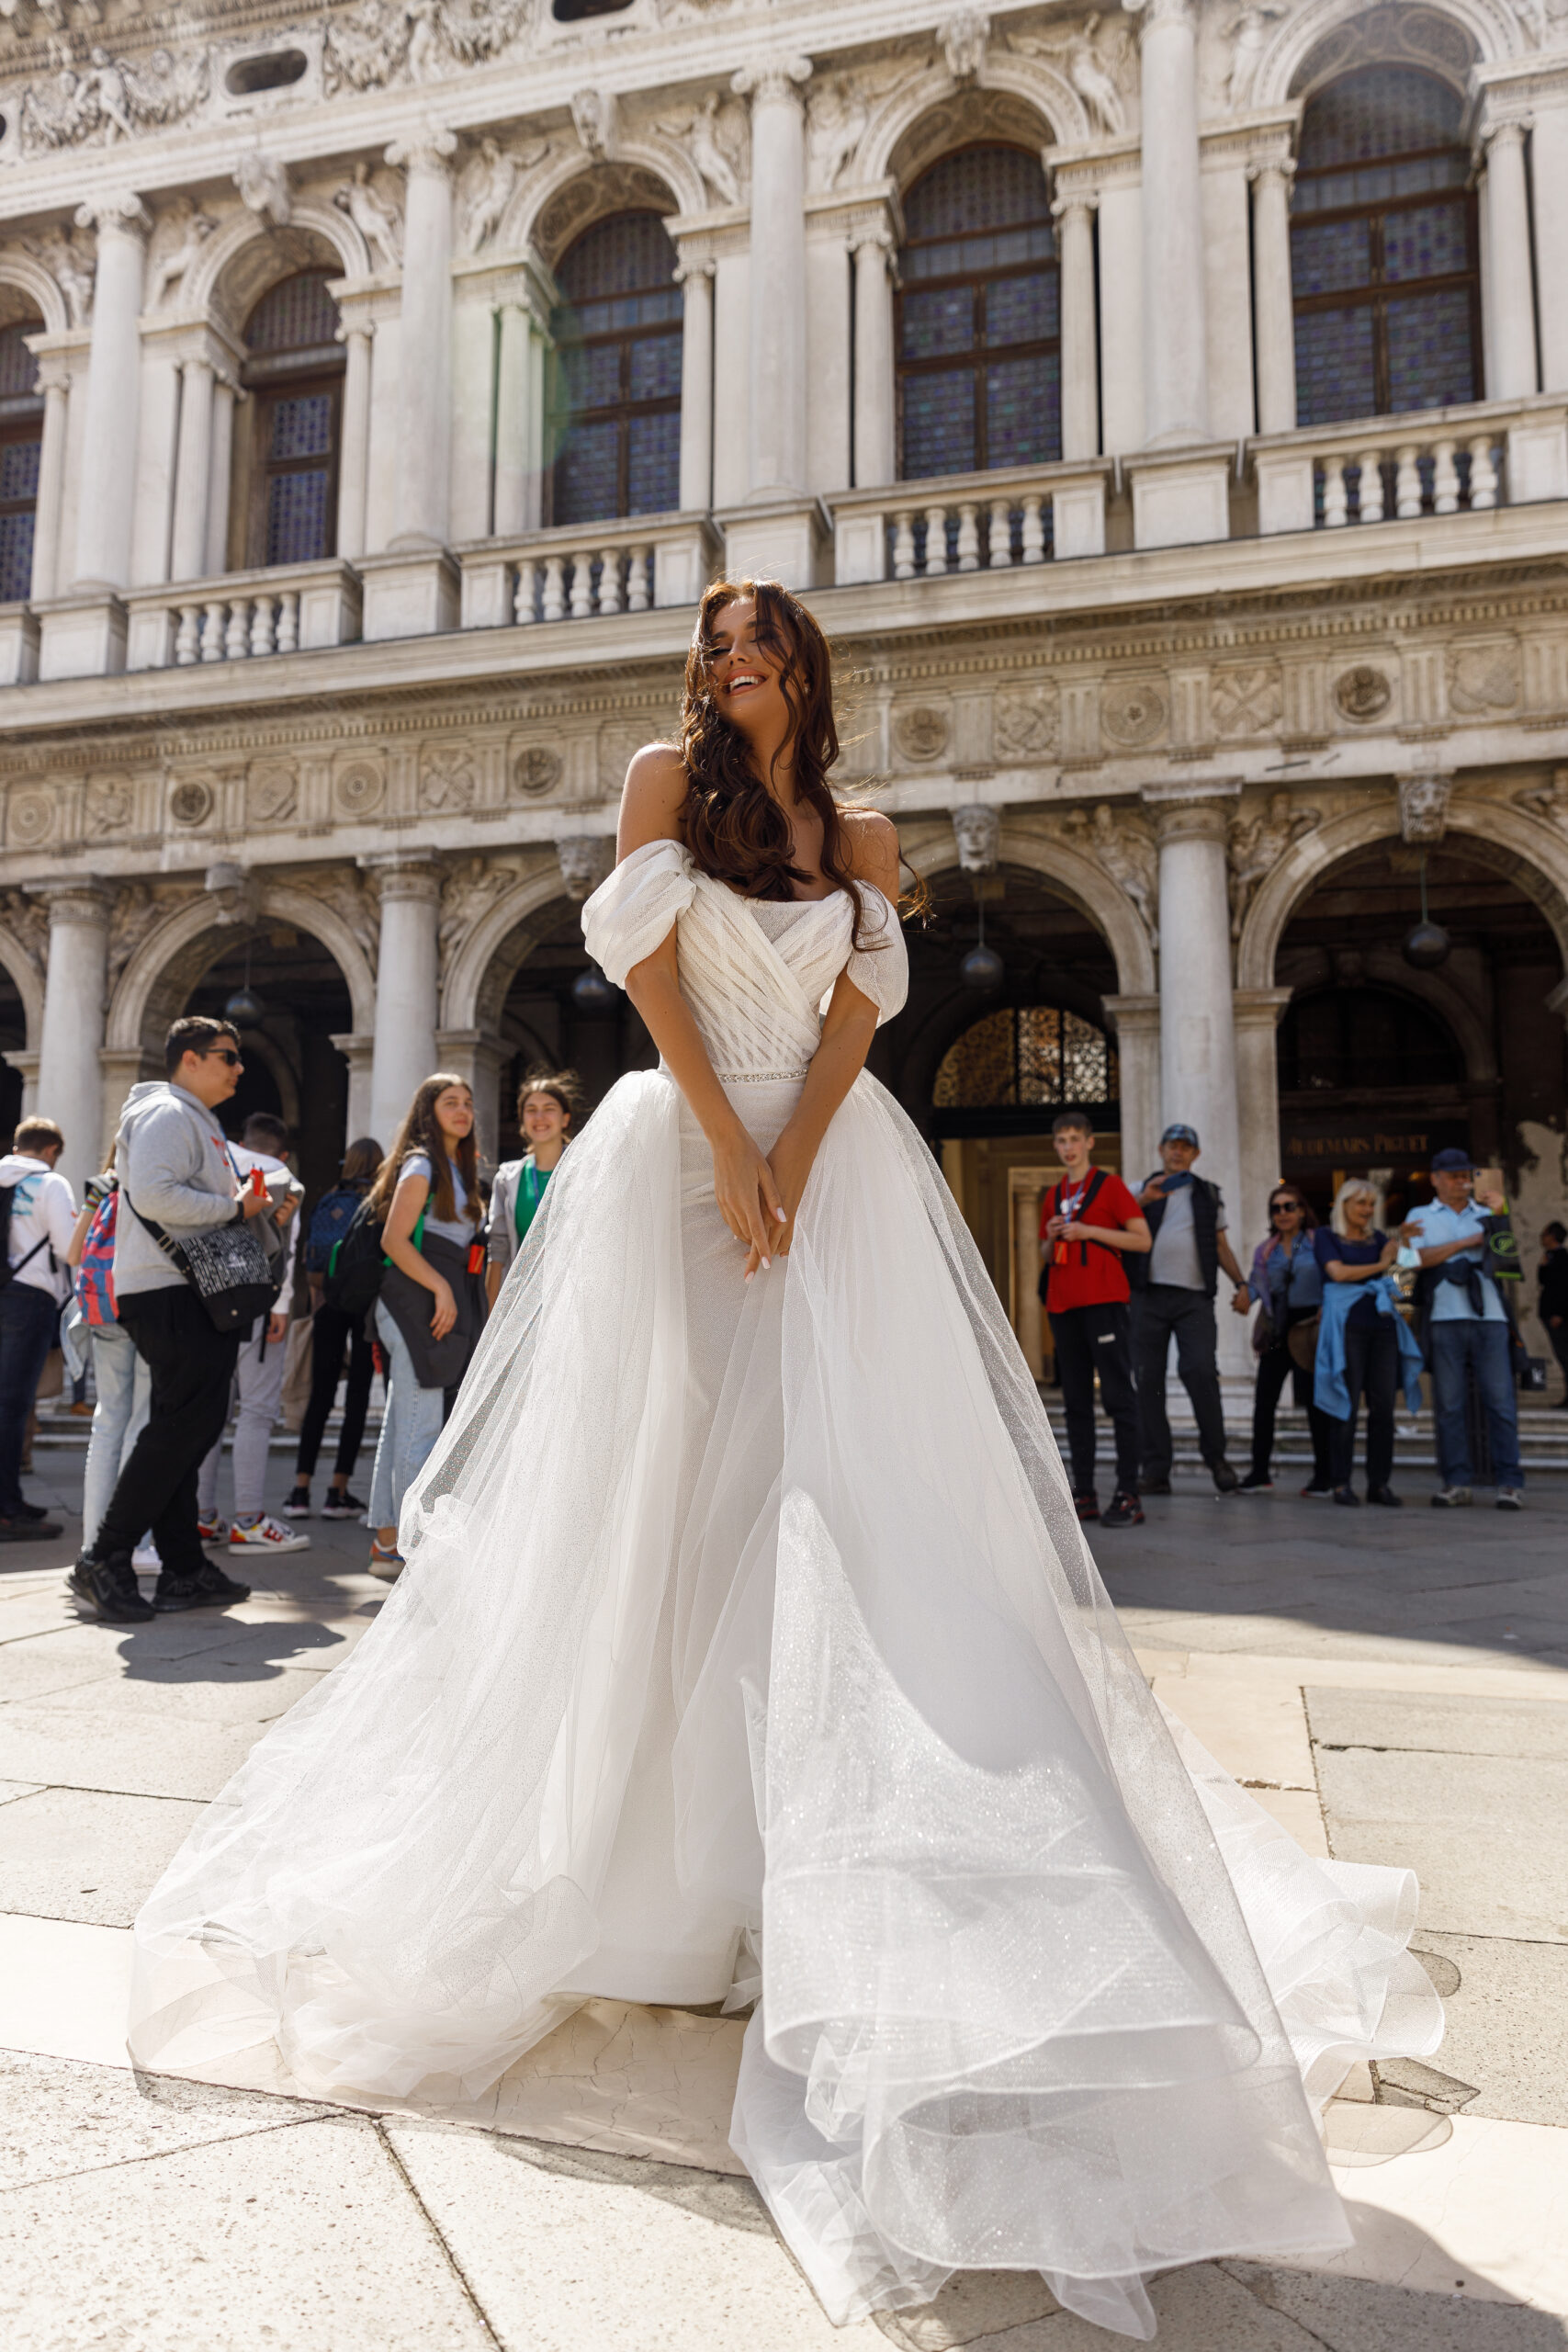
(169,962)
(1018,98)
(647,175)
(1078,879)
(31,279)
(27,980)
(1304,54)
(247,256)
(1437,994)
(488,959)
(1495,834)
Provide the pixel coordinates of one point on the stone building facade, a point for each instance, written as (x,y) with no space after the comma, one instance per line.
(1166,411)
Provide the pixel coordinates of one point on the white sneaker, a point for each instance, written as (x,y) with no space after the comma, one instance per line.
(145,1560)
(267,1534)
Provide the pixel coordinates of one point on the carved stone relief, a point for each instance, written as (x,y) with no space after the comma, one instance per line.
(30,819)
(97,99)
(372,203)
(448,781)
(1389,35)
(1120,843)
(355,897)
(68,256)
(978,833)
(1548,801)
(272,793)
(359,786)
(1099,55)
(836,117)
(619,741)
(487,185)
(415,41)
(920,734)
(606,187)
(1258,843)
(585,860)
(962,40)
(1134,711)
(1025,723)
(135,913)
(178,236)
(26,920)
(1424,806)
(107,805)
(1246,701)
(467,896)
(190,803)
(1364,694)
(534,771)
(1484,679)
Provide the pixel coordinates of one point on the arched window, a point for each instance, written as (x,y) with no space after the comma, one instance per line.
(1023,1056)
(21,448)
(1337,1041)
(1383,265)
(294,372)
(617,419)
(979,334)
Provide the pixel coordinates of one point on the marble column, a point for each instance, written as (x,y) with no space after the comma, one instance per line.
(1273,313)
(354,459)
(193,472)
(696,385)
(875,428)
(424,497)
(1080,326)
(1257,1014)
(55,382)
(1175,386)
(406,985)
(1197,1027)
(1137,1023)
(777,274)
(511,393)
(108,453)
(226,395)
(1509,282)
(70,1082)
(359,1052)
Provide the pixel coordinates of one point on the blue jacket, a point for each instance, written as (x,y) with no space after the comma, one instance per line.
(1330,1393)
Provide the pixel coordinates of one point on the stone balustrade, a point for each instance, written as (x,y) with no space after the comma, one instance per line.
(579,572)
(243,616)
(970,523)
(1389,468)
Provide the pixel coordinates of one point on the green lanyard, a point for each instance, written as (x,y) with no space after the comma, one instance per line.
(530,1191)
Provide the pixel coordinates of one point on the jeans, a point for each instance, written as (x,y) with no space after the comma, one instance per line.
(332,1332)
(1159,1311)
(124,1387)
(29,1317)
(191,1366)
(410,1426)
(1371,1367)
(1275,1367)
(1457,1347)
(1090,1340)
(257,1393)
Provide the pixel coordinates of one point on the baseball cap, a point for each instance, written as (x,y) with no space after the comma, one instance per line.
(1177,1133)
(1451,1161)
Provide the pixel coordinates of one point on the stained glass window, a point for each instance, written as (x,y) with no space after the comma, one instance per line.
(18,368)
(295,371)
(1380,202)
(616,411)
(22,448)
(979,331)
(1020,1056)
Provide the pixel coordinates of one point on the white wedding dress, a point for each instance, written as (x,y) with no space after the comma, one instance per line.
(747,1621)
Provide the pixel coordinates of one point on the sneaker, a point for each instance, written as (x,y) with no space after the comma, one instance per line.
(1452,1499)
(388,1566)
(29,1510)
(107,1589)
(207,1589)
(1510,1499)
(1087,1507)
(341,1504)
(145,1560)
(213,1530)
(1224,1477)
(28,1530)
(1155,1485)
(1348,1497)
(1256,1482)
(1314,1493)
(266,1534)
(1125,1510)
(1386,1497)
(299,1504)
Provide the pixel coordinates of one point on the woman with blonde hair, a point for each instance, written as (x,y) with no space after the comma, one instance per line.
(431,1306)
(548,1101)
(1359,1347)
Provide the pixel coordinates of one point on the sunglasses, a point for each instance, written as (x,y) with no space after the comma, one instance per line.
(223,1054)
(1282,1208)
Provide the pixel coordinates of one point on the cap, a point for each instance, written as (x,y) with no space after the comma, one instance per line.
(1451,1161)
(1177,1133)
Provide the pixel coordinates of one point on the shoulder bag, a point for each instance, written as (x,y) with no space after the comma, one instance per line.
(226,1265)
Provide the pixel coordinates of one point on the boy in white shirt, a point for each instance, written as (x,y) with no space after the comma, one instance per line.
(43,1213)
(258,1371)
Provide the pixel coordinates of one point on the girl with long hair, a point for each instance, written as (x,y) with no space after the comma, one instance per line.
(748,1649)
(548,1101)
(333,1333)
(1286,1282)
(431,1306)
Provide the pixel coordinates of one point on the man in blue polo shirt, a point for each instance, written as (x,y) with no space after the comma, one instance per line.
(1468,1326)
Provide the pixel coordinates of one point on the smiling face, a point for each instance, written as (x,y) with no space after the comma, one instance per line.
(454,1110)
(543,1121)
(1359,1208)
(747,678)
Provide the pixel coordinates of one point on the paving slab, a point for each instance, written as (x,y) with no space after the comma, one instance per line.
(65,1989)
(1360,2315)
(59,2119)
(973,2306)
(85,1854)
(1507,2024)
(138,1754)
(1483,1833)
(1257,1730)
(1442,1723)
(305,2238)
(1199,2310)
(566,2250)
(213,1688)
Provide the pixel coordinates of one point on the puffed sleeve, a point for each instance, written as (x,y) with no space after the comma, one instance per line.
(636,910)
(881,970)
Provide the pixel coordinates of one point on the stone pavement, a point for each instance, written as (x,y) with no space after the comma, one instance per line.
(1393,1686)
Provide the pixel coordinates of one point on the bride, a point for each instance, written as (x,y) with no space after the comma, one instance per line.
(747,1612)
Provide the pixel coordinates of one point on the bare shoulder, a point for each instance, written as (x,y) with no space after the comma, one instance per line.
(652,798)
(872,839)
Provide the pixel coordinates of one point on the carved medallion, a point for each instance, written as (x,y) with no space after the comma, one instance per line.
(1363,692)
(191,803)
(920,734)
(534,771)
(1134,711)
(358,787)
(272,794)
(31,819)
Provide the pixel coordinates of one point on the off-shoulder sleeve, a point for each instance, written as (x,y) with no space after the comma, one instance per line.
(636,910)
(881,970)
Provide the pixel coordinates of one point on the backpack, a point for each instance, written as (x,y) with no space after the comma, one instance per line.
(329,1221)
(7,1272)
(95,1274)
(354,1264)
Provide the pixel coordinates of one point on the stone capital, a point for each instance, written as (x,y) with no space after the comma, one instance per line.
(1272,167)
(1078,199)
(695,265)
(1133,1016)
(74,898)
(1164,12)
(1509,132)
(121,214)
(430,150)
(1259,1008)
(403,877)
(1195,811)
(772,79)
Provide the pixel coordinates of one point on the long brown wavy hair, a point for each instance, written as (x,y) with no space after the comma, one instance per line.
(420,1132)
(734,828)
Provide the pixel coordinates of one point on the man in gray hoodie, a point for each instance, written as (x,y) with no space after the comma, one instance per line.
(175,1170)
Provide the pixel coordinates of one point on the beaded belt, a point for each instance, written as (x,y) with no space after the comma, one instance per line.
(758,1076)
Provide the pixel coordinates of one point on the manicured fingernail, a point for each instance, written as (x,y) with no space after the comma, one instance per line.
(767,1262)
(780,1215)
(749,1272)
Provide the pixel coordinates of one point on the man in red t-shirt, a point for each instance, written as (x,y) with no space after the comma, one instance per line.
(1086,1222)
